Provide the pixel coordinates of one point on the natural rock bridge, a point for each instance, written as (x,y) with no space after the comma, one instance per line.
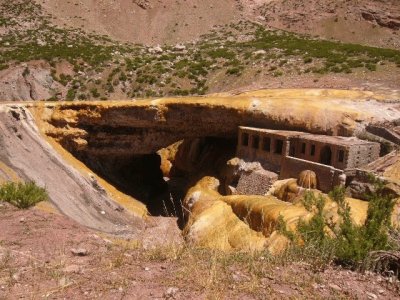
(118,140)
(143,127)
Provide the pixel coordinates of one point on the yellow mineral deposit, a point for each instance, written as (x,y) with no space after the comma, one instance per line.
(210,218)
(7,173)
(40,112)
(315,111)
(217,221)
(213,224)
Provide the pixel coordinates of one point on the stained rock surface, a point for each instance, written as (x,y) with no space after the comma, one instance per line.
(236,221)
(145,126)
(115,130)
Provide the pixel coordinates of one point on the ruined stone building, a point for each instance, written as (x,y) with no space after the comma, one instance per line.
(290,152)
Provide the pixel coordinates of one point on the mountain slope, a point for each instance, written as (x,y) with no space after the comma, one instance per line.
(45,54)
(147,22)
(370,22)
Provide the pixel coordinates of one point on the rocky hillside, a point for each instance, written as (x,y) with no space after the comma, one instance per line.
(143,21)
(172,21)
(84,50)
(373,22)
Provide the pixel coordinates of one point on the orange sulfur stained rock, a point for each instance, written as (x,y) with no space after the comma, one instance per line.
(212,223)
(236,221)
(146,126)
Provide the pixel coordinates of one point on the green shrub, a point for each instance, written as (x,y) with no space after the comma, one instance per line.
(234,71)
(65,79)
(356,242)
(345,243)
(181,74)
(371,67)
(71,94)
(277,74)
(22,194)
(82,97)
(123,77)
(52,98)
(222,53)
(181,64)
(95,93)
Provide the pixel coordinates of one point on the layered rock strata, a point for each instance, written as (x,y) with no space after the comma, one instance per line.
(143,127)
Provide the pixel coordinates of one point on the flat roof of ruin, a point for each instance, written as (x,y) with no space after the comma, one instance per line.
(337,140)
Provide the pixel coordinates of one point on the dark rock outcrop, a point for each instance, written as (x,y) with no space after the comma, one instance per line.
(382,18)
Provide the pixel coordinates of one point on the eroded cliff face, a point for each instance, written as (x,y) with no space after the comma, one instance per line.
(28,82)
(143,127)
(73,190)
(119,140)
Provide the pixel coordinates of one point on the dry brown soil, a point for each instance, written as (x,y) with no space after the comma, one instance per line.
(36,262)
(173,21)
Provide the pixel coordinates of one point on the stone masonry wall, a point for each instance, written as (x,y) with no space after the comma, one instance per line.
(319,146)
(327,176)
(361,155)
(256,183)
(268,159)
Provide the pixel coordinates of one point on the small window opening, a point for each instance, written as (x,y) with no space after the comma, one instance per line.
(267,144)
(312,152)
(292,150)
(245,139)
(278,146)
(256,142)
(303,148)
(341,156)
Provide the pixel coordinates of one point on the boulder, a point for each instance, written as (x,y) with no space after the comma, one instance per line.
(179,47)
(156,49)
(262,52)
(144,4)
(212,223)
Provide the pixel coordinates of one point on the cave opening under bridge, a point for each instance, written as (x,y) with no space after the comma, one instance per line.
(142,177)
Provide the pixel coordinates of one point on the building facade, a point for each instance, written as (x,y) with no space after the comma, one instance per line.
(290,152)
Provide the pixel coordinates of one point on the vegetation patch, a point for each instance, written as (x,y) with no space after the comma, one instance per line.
(22,194)
(346,244)
(104,67)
